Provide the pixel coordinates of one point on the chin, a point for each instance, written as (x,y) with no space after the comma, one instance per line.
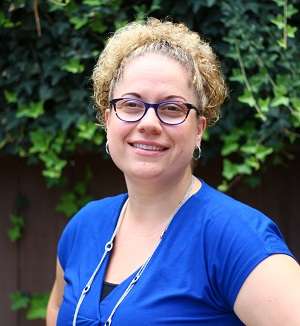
(144,171)
(145,174)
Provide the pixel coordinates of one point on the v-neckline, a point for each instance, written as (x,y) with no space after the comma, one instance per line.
(123,285)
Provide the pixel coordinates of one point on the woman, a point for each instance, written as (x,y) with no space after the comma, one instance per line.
(173,251)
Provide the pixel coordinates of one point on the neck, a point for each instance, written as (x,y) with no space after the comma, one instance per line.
(151,203)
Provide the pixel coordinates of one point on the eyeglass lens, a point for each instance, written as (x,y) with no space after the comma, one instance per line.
(171,112)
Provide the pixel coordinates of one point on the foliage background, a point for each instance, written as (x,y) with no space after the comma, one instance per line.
(49,48)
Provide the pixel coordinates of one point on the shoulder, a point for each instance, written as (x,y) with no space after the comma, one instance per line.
(218,202)
(98,210)
(106,203)
(224,213)
(237,238)
(94,222)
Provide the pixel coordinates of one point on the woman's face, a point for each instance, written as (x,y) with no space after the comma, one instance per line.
(148,148)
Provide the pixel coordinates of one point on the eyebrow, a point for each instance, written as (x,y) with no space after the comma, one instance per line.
(169,97)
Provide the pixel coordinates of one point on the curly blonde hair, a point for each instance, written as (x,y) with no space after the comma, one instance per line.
(173,40)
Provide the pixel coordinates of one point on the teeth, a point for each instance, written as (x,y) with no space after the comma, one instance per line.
(148,147)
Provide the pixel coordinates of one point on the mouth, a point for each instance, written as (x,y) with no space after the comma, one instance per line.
(148,147)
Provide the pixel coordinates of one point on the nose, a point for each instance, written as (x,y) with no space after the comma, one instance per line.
(150,122)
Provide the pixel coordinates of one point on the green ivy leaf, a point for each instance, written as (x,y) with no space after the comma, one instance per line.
(229,148)
(98,138)
(38,306)
(253,181)
(282,44)
(156,5)
(80,188)
(210,3)
(244,168)
(73,65)
(237,76)
(60,3)
(31,110)
(296,119)
(257,80)
(263,151)
(58,142)
(5,22)
(249,148)
(3,142)
(264,104)
(253,162)
(79,22)
(70,202)
(17,225)
(206,135)
(87,129)
(54,165)
(296,103)
(14,234)
(10,97)
(223,186)
(97,25)
(19,301)
(291,31)
(280,89)
(231,142)
(291,10)
(278,21)
(93,3)
(247,98)
(279,3)
(230,170)
(280,100)
(67,204)
(40,140)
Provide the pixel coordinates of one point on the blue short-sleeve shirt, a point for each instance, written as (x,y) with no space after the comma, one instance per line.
(193,278)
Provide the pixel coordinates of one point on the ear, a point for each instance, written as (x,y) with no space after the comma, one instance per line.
(201,126)
(106,117)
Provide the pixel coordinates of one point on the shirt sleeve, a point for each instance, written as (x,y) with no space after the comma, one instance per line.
(243,237)
(72,234)
(67,241)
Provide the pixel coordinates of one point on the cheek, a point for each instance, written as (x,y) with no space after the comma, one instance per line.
(185,142)
(188,136)
(117,131)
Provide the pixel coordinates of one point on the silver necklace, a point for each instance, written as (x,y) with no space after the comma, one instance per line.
(108,247)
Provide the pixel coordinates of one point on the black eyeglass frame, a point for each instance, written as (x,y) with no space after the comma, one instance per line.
(155,106)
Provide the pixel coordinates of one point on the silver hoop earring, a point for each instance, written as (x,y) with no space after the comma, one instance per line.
(107,148)
(197,153)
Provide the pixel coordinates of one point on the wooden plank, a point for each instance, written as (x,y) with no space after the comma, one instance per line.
(43,224)
(8,250)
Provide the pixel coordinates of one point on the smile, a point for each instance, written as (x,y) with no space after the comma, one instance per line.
(148,147)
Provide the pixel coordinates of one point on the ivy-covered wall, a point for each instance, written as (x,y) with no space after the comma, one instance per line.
(48,49)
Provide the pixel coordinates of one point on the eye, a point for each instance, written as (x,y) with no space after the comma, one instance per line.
(175,108)
(131,104)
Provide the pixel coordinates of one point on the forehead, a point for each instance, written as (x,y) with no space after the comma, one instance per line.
(153,71)
(158,62)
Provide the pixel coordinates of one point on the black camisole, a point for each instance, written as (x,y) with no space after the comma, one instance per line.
(107,288)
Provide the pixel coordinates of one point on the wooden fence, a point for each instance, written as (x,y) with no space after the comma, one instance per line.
(28,265)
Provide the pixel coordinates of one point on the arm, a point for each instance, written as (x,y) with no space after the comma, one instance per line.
(271,294)
(55,296)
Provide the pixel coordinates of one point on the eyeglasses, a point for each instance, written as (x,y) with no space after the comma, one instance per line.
(168,112)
